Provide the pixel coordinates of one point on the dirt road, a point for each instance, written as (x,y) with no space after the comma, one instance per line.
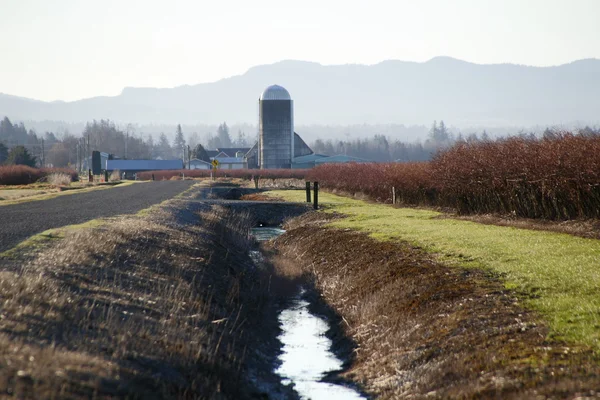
(20,221)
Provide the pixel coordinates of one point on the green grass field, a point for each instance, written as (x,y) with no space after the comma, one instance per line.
(557,274)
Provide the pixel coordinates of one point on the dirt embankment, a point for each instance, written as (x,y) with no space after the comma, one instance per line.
(422,329)
(166,305)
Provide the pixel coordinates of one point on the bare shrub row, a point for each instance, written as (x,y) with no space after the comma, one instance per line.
(413,181)
(551,178)
(23,175)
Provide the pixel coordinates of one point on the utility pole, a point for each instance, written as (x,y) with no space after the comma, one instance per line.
(43,154)
(87,164)
(189,157)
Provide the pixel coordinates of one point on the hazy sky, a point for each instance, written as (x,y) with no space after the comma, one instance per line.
(72,49)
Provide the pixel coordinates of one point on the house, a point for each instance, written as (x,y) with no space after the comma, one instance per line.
(233,151)
(199,164)
(232,162)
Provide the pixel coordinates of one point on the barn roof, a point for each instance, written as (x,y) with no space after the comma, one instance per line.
(143,165)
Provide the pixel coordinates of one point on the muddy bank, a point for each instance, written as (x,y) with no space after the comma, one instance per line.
(164,305)
(420,329)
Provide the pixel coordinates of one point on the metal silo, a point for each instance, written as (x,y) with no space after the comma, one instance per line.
(275,128)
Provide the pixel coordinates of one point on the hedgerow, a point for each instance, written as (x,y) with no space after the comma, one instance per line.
(23,175)
(551,178)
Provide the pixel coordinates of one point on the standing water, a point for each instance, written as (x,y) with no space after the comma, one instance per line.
(306,354)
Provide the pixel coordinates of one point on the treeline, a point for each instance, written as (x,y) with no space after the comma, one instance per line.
(553,177)
(72,151)
(382,148)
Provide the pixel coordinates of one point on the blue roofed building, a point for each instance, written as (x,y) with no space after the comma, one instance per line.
(131,167)
(312,160)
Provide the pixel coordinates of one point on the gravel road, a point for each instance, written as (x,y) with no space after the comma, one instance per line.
(20,221)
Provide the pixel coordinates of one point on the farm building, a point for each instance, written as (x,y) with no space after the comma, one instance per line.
(278,146)
(313,160)
(194,163)
(131,167)
(232,162)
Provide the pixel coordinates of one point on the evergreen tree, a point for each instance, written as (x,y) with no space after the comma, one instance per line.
(200,153)
(223,135)
(439,134)
(19,155)
(164,148)
(443,134)
(241,140)
(179,142)
(3,153)
(213,142)
(193,139)
(433,132)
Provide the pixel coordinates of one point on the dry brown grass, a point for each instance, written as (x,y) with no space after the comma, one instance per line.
(138,308)
(115,176)
(422,329)
(59,179)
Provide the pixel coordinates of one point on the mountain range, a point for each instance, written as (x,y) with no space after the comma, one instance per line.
(459,92)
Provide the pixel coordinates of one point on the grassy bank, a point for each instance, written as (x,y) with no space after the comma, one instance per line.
(164,304)
(422,329)
(556,274)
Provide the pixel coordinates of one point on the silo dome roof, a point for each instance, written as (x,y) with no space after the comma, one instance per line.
(275,92)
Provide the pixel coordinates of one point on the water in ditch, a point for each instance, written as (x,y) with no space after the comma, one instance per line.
(306,356)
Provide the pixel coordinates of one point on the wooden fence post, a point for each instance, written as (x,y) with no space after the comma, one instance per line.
(393,195)
(308,192)
(316,196)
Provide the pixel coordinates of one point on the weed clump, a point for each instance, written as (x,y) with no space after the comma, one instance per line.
(59,179)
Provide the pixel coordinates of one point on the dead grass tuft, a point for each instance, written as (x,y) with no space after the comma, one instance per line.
(59,179)
(115,176)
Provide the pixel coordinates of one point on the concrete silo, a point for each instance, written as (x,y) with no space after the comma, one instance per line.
(275,128)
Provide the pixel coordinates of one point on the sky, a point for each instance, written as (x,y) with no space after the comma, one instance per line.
(73,49)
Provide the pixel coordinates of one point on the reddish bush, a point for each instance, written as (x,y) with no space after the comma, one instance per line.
(23,175)
(412,181)
(552,178)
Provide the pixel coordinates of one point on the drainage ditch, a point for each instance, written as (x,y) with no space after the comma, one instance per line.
(306,357)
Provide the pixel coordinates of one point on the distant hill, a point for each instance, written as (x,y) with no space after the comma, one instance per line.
(462,93)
